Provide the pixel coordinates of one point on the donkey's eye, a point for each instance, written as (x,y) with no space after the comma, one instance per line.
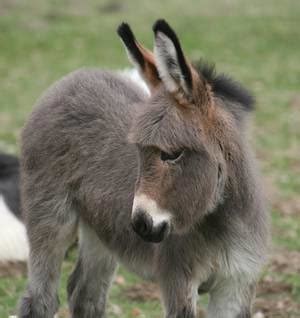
(164,156)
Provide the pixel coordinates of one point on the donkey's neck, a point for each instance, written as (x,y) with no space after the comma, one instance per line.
(242,195)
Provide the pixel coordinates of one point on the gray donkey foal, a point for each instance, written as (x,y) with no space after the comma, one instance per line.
(165,184)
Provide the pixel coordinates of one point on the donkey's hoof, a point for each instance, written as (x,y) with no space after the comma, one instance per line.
(87,309)
(34,307)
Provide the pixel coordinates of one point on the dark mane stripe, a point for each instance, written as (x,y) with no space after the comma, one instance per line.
(224,86)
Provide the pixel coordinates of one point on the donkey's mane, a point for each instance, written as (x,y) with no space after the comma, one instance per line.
(225,87)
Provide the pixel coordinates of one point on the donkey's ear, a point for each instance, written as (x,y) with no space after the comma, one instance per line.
(173,68)
(141,57)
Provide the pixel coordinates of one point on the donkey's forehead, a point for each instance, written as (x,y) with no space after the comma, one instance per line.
(162,123)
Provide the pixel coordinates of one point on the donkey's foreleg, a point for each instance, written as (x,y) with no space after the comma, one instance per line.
(231,298)
(179,296)
(49,239)
(90,281)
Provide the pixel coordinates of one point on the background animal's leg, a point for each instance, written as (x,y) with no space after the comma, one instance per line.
(89,283)
(49,239)
(231,298)
(179,296)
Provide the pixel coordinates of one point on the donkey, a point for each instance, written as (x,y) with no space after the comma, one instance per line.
(166,184)
(13,240)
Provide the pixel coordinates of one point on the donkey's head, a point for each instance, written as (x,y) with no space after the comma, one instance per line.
(180,133)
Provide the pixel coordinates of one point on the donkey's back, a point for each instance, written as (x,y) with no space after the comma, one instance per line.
(92,103)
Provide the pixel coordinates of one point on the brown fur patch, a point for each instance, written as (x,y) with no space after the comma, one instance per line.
(150,73)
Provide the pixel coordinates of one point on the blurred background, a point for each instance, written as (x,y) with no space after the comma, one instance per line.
(257,42)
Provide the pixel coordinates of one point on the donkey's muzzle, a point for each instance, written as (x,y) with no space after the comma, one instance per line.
(142,224)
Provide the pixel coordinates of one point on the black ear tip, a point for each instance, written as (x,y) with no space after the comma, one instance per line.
(125,32)
(162,25)
(129,41)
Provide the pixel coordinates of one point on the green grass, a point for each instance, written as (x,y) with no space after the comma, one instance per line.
(255,41)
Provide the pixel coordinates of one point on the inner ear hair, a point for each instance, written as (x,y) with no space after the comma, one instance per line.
(141,57)
(161,26)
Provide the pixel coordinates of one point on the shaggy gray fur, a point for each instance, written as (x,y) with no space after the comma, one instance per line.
(91,143)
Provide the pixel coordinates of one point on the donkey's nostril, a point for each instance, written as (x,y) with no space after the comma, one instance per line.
(142,223)
(144,228)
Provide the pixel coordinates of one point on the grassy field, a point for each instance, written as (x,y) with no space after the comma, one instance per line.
(255,41)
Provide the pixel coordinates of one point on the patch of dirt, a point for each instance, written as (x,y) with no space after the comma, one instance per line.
(6,6)
(15,269)
(274,308)
(136,312)
(295,102)
(286,262)
(268,285)
(274,297)
(142,292)
(290,207)
(285,206)
(112,7)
